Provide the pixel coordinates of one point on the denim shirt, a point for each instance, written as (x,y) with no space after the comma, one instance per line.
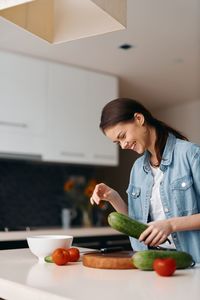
(179,191)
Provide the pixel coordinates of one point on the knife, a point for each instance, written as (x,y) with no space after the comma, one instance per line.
(103,250)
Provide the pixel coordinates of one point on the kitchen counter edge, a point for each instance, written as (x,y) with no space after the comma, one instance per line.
(75,232)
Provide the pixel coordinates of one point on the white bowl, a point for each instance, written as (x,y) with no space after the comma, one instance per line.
(43,245)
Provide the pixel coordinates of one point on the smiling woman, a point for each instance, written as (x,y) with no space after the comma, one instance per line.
(166,178)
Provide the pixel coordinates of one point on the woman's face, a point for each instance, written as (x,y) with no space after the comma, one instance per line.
(133,135)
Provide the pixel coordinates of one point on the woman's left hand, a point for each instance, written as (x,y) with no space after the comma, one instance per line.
(156,233)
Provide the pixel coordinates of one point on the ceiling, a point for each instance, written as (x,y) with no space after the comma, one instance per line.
(161,69)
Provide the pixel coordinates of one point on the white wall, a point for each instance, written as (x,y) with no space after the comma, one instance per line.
(185,117)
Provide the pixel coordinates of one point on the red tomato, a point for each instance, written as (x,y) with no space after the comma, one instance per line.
(74,254)
(60,256)
(164,266)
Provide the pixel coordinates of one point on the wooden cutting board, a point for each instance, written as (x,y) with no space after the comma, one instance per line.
(114,260)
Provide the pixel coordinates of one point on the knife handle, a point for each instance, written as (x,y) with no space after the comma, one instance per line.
(111,249)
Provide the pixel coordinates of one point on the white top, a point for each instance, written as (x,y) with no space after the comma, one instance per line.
(22,277)
(156,207)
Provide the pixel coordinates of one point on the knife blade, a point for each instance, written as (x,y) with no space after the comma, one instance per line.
(103,250)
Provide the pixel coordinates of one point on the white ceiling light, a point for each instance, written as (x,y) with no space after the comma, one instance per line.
(59,21)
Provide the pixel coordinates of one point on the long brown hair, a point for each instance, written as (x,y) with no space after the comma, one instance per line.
(123,110)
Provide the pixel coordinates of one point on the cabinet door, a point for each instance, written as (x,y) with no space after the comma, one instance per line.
(66,114)
(75,98)
(100,90)
(23,86)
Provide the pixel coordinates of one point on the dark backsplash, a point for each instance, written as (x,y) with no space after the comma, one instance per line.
(30,193)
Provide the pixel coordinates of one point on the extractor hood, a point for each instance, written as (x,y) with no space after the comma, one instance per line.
(59,21)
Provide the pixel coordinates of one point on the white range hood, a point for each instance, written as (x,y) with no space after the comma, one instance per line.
(59,21)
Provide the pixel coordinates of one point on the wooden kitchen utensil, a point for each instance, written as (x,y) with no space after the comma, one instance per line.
(114,260)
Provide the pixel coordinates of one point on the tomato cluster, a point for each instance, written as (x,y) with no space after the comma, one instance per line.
(62,256)
(164,266)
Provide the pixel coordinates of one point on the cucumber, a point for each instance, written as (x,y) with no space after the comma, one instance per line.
(126,225)
(143,260)
(48,259)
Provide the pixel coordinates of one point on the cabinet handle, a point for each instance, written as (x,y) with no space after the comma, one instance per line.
(36,157)
(104,156)
(72,154)
(13,124)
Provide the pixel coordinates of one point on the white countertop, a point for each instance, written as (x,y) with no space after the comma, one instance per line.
(22,277)
(76,232)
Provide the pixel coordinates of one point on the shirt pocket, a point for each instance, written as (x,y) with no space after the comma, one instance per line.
(134,202)
(183,193)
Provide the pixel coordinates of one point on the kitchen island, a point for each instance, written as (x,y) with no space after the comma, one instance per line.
(23,277)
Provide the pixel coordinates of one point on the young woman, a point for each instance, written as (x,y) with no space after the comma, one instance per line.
(164,187)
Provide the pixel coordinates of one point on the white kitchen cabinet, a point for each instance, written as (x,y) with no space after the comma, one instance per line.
(23,105)
(101,89)
(52,111)
(75,100)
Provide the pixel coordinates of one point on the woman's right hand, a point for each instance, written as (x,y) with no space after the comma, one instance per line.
(103,192)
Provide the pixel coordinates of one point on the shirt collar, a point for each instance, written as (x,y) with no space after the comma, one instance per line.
(169,150)
(167,154)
